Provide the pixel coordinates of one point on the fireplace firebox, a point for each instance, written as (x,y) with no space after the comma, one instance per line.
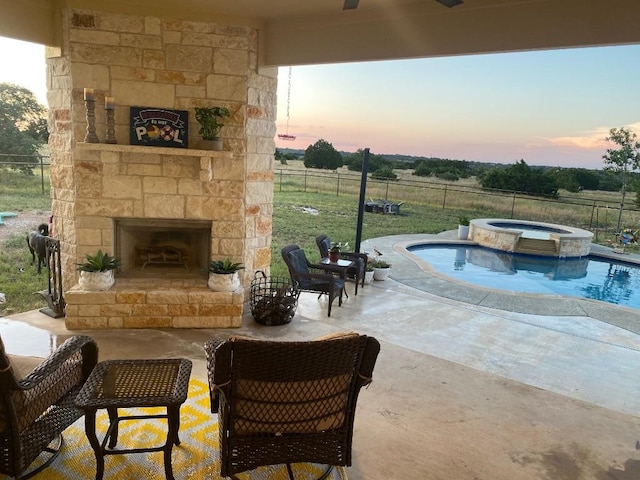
(162,248)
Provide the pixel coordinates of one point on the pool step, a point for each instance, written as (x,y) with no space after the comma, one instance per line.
(536,246)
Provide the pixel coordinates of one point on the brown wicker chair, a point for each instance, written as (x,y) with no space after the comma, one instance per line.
(34,410)
(360,259)
(287,402)
(310,278)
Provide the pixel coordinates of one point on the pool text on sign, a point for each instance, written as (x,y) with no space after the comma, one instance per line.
(158,127)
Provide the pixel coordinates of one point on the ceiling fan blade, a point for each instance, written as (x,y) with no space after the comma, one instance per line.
(450,3)
(350,4)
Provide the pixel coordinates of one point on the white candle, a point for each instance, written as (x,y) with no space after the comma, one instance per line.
(88,94)
(109,103)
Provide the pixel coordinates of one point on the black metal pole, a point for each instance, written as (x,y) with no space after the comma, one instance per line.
(363,192)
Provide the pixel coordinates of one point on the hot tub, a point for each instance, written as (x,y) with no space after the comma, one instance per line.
(534,238)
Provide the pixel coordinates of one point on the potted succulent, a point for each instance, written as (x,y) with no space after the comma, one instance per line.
(380,269)
(463,227)
(223,275)
(368,273)
(210,125)
(96,272)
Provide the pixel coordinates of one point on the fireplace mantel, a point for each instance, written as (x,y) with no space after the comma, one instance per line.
(185,152)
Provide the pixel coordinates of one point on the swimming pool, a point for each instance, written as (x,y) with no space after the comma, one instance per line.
(585,277)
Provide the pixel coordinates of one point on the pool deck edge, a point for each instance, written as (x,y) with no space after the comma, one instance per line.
(412,272)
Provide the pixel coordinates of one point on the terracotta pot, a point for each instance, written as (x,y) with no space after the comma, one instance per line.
(96,281)
(334,256)
(224,282)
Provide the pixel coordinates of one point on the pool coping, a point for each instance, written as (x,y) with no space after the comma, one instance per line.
(409,270)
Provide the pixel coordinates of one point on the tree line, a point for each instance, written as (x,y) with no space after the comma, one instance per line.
(621,163)
(23,127)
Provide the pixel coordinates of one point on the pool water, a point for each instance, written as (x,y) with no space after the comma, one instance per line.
(584,277)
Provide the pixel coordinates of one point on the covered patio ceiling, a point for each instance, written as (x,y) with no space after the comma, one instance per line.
(298,32)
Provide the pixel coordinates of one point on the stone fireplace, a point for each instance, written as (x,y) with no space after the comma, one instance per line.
(164,212)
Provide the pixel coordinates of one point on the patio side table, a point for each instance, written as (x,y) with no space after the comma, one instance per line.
(340,267)
(117,384)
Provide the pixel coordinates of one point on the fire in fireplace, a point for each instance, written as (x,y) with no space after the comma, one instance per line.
(160,247)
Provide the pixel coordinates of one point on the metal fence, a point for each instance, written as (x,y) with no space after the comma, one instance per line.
(38,163)
(588,211)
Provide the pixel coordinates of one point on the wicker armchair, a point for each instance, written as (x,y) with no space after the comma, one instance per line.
(34,410)
(360,259)
(287,402)
(311,278)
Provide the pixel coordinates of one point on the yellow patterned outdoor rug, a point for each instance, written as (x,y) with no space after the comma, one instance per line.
(197,456)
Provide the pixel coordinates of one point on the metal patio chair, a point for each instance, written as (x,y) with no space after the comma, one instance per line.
(310,278)
(360,259)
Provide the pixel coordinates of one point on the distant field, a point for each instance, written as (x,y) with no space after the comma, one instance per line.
(593,210)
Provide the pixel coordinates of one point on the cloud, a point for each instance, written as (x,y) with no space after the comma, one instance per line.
(593,140)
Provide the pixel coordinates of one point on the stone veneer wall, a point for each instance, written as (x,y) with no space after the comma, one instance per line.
(148,61)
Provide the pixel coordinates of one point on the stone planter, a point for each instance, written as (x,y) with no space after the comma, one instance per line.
(368,277)
(463,232)
(380,273)
(96,281)
(224,282)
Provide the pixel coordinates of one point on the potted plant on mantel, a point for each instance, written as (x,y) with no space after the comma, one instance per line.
(210,125)
(96,272)
(223,275)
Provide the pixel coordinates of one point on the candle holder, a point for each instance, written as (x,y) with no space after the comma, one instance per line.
(91,136)
(111,131)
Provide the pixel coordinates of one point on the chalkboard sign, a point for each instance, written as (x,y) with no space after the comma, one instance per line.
(158,127)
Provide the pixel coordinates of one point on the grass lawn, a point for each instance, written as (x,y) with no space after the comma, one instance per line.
(18,279)
(299,217)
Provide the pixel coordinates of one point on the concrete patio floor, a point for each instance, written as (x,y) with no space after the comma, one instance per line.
(462,390)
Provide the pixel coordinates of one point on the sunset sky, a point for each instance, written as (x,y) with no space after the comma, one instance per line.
(549,107)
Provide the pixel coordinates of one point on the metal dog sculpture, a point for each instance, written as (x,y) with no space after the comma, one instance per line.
(36,241)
